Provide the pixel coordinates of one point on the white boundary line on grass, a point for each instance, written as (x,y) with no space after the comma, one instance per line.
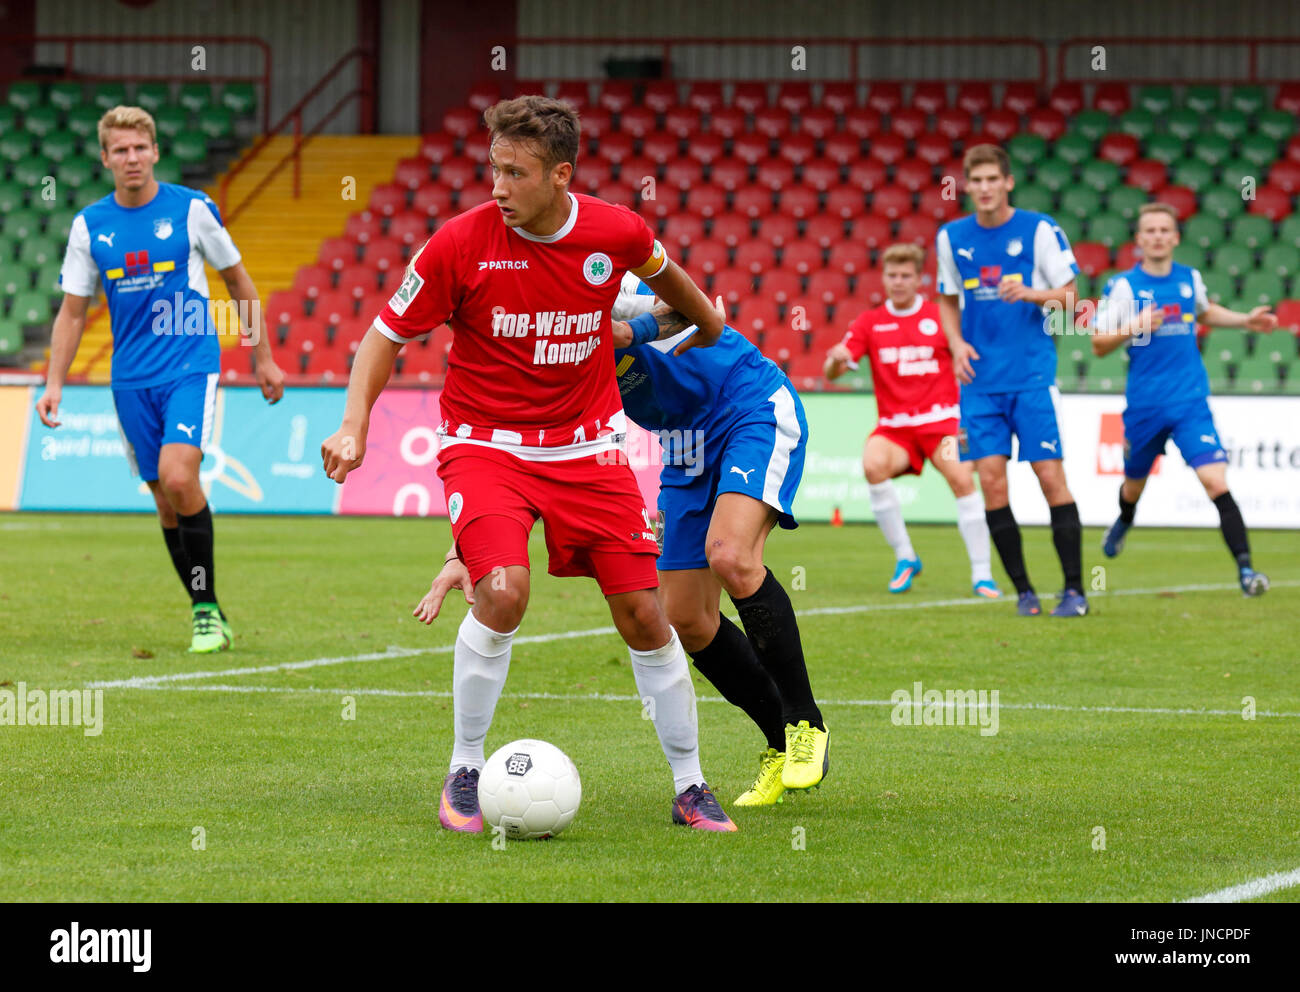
(149,681)
(1253,889)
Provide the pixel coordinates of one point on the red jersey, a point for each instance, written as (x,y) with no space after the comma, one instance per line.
(911,367)
(531,368)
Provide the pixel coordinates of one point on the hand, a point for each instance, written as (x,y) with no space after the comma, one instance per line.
(1149,319)
(1261,320)
(1014,291)
(47,407)
(962,357)
(702,338)
(839,353)
(622,334)
(343,451)
(453,574)
(271,380)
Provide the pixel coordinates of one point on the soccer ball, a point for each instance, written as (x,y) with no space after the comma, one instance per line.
(529,789)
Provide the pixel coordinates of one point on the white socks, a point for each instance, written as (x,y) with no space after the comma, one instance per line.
(975,532)
(889,515)
(482,661)
(663,678)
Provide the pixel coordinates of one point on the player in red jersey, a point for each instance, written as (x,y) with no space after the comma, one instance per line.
(529,407)
(917,403)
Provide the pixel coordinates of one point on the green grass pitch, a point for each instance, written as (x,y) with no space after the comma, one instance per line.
(1127,725)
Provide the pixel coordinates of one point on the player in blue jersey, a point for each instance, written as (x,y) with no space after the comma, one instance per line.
(999,269)
(1153,309)
(147,243)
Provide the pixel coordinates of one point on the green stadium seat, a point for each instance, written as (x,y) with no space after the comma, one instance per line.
(1157,100)
(1203,230)
(1276,125)
(31,170)
(1288,230)
(11,338)
(1126,201)
(1229,344)
(241,98)
(1262,287)
(1234,171)
(1220,285)
(8,248)
(153,96)
(8,119)
(23,95)
(195,97)
(41,121)
(47,278)
(1166,148)
(65,95)
(90,147)
(83,121)
(1080,201)
(31,307)
(78,170)
(1252,230)
(1192,173)
(1258,149)
(1234,259)
(16,145)
(1247,99)
(168,171)
(106,96)
(22,224)
(1032,196)
(1218,371)
(1073,148)
(1071,227)
(1230,124)
(39,251)
(1212,149)
(1026,149)
(1091,124)
(59,146)
(1107,373)
(1281,259)
(170,121)
(14,278)
(1099,175)
(1138,122)
(1112,230)
(1087,291)
(90,193)
(58,224)
(1183,124)
(1054,174)
(12,197)
(1258,373)
(1202,99)
(217,123)
(189,148)
(1189,254)
(1224,202)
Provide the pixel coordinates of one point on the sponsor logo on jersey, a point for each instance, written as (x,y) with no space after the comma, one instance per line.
(911,359)
(598,268)
(455,503)
(967,253)
(137,263)
(411,285)
(1014,247)
(1185,291)
(107,238)
(162,228)
(990,275)
(505,263)
(1173,313)
(885,327)
(928,326)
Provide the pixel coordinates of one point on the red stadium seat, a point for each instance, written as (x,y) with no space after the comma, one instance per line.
(433,200)
(752,200)
(592,173)
(817,122)
(891,201)
(863,122)
(359,281)
(419,358)
(781,284)
(312,280)
(334,307)
(755,256)
(779,228)
(825,229)
(839,97)
(1125,258)
(733,284)
(575,92)
(1019,98)
(885,98)
(636,168)
(683,229)
(774,173)
(1092,256)
(457,171)
(849,256)
(932,203)
(797,148)
(913,174)
(683,173)
(477,147)
(629,194)
(363,226)
(1180,198)
(1046,122)
(438,146)
(370,305)
(731,229)
(917,229)
(412,172)
(871,231)
(1272,202)
(1293,149)
(472,194)
(660,95)
(616,146)
(529,87)
(751,148)
(1288,315)
(749,96)
(794,97)
(870,287)
(798,201)
(708,256)
(1067,97)
(842,148)
(1000,125)
(705,148)
(933,148)
(727,122)
(845,202)
(828,285)
(283,307)
(802,256)
(410,228)
(955,124)
(683,122)
(930,97)
(820,173)
(729,172)
(1147,174)
(304,329)
(773,122)
(974,98)
(616,95)
(755,317)
(596,123)
(637,121)
(1288,98)
(887,148)
(385,254)
(387,199)
(1122,149)
(908,123)
(1285,175)
(461,121)
(705,96)
(706,199)
(1111,98)
(335,253)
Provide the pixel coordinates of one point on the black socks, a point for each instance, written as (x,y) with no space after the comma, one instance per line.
(1126,509)
(770,624)
(1006,537)
(1234,529)
(1067,535)
(195,533)
(730,664)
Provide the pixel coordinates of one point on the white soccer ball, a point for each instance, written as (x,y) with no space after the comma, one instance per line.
(529,789)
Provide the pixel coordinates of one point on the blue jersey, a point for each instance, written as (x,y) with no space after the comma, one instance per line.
(1016,352)
(150,261)
(1164,369)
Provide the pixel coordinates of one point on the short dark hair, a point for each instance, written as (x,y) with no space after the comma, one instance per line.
(986,155)
(550,126)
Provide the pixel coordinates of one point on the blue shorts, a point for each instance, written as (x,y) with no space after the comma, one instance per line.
(1191,425)
(760,456)
(989,419)
(176,412)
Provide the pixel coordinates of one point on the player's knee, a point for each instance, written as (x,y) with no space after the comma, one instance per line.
(737,568)
(994,488)
(695,629)
(643,624)
(176,481)
(876,471)
(503,601)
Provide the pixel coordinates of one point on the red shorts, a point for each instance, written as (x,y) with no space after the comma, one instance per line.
(919,442)
(595,517)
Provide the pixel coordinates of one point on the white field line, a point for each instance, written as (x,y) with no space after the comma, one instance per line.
(1253,889)
(147,681)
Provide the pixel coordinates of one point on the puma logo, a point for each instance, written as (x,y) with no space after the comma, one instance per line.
(744,475)
(189,431)
(967,253)
(1049,445)
(1209,439)
(107,238)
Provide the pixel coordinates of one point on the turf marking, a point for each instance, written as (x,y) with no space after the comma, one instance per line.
(1253,889)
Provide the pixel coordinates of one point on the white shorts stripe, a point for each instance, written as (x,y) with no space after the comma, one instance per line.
(130,451)
(209,409)
(785,440)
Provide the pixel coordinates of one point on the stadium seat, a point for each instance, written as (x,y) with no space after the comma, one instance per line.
(385,253)
(1262,288)
(1126,201)
(437,146)
(913,174)
(661,96)
(1275,125)
(358,282)
(1212,149)
(1067,97)
(751,148)
(410,228)
(1235,259)
(780,284)
(932,149)
(953,124)
(750,96)
(679,121)
(1111,98)
(729,172)
(1053,174)
(755,316)
(869,288)
(863,122)
(731,228)
(849,257)
(625,195)
(363,226)
(1032,196)
(1073,148)
(817,122)
(908,123)
(1026,150)
(1000,125)
(617,96)
(592,173)
(846,202)
(891,201)
(1147,174)
(824,228)
(433,200)
(706,199)
(387,199)
(871,231)
(1121,149)
(1285,175)
(1110,229)
(1125,258)
(774,173)
(617,146)
(885,97)
(1224,202)
(1091,124)
(772,122)
(867,174)
(412,172)
(1017,97)
(828,285)
(779,228)
(752,200)
(796,148)
(803,256)
(728,122)
(1093,257)
(1288,317)
(683,173)
(635,169)
(575,92)
(733,284)
(704,96)
(933,203)
(930,97)
(682,229)
(1281,259)
(1272,203)
(820,173)
(1099,175)
(1180,198)
(842,149)
(708,256)
(637,121)
(1046,122)
(839,97)
(918,229)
